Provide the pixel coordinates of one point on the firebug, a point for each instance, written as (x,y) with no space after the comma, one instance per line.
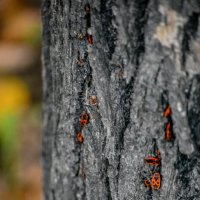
(168,131)
(84,119)
(167,111)
(90,40)
(93,100)
(79,137)
(155,161)
(155,181)
(147,183)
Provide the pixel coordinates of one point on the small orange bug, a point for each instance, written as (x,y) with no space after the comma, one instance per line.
(168,132)
(155,161)
(84,119)
(93,100)
(79,137)
(90,40)
(80,62)
(167,111)
(155,181)
(147,183)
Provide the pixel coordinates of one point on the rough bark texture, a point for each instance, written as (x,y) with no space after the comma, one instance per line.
(145,55)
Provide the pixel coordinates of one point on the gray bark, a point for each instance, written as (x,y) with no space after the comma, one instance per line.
(145,54)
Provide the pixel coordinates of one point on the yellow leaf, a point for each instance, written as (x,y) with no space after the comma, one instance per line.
(14,96)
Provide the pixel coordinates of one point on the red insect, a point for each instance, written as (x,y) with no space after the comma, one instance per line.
(147,183)
(155,181)
(167,112)
(84,119)
(79,137)
(155,161)
(93,100)
(168,131)
(90,40)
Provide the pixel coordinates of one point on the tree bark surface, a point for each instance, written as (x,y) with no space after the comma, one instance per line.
(145,55)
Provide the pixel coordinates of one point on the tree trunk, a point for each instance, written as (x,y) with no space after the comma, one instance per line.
(121,62)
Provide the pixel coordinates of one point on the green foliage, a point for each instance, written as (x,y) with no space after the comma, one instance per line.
(9,146)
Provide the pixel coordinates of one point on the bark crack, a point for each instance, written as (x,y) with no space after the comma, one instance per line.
(139,49)
(190,31)
(109,32)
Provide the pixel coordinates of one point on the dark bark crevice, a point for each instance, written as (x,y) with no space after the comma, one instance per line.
(185,166)
(190,30)
(105,177)
(128,89)
(193,110)
(141,17)
(109,32)
(157,73)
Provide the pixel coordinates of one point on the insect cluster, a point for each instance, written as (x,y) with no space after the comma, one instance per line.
(80,61)
(154,182)
(83,121)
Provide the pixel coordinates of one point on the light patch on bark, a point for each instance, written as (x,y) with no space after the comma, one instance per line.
(167,32)
(193,58)
(196,49)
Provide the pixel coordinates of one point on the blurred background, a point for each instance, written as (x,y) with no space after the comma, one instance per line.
(20,100)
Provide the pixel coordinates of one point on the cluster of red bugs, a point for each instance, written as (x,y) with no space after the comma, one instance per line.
(154,182)
(84,120)
(88,23)
(85,117)
(168,126)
